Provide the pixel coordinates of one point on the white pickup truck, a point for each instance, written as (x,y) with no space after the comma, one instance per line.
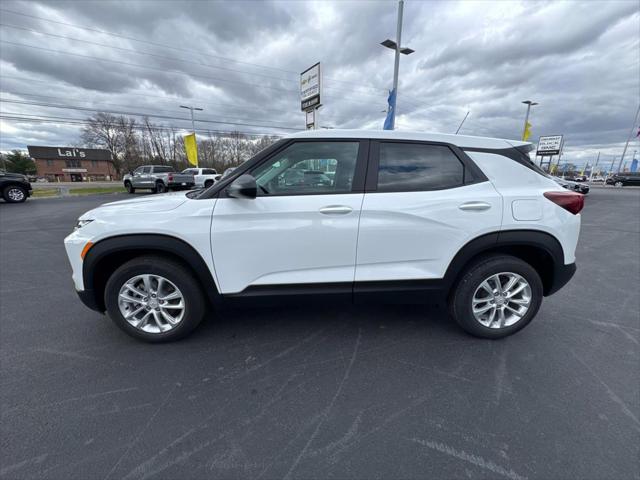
(204,177)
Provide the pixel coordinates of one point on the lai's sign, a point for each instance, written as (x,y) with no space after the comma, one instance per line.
(68,153)
(310,87)
(549,145)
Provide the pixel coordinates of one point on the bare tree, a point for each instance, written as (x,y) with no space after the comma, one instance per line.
(102,131)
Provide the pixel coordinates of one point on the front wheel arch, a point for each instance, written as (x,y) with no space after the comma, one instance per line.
(107,255)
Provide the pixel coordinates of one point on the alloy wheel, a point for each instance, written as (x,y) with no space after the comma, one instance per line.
(15,194)
(501,300)
(151,303)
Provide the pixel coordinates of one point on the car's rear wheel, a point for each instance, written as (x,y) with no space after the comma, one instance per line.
(496,296)
(208,183)
(618,184)
(160,187)
(154,299)
(14,194)
(129,187)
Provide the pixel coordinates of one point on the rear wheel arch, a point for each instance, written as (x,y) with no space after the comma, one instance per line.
(107,255)
(539,249)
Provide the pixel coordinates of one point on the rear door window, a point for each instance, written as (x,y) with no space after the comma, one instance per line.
(409,167)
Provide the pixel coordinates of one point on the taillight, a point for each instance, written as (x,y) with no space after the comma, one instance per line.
(570,201)
(170,178)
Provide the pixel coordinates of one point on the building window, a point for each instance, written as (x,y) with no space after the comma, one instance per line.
(73,163)
(94,163)
(49,163)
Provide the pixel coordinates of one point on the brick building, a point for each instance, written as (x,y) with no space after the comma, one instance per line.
(70,164)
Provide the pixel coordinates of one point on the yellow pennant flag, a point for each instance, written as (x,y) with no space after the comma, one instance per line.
(191,147)
(527,132)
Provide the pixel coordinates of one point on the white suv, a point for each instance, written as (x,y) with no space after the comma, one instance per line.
(355,215)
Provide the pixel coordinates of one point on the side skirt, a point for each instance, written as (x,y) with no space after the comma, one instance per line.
(403,292)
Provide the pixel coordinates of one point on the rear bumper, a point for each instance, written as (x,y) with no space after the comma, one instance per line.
(561,276)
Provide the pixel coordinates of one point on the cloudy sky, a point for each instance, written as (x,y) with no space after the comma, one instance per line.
(240,61)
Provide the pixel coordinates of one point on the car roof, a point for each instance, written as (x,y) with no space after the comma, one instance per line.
(462,141)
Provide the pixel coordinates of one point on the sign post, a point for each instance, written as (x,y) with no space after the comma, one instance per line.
(549,146)
(310,91)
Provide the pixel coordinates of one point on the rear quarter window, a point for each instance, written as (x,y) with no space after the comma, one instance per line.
(505,172)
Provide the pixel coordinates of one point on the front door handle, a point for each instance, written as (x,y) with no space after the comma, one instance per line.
(475,206)
(336,210)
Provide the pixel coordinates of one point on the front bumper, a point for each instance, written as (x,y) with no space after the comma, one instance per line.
(89,299)
(561,276)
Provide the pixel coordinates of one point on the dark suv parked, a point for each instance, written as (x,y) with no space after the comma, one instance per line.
(623,179)
(14,187)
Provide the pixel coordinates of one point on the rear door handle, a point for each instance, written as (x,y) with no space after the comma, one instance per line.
(475,206)
(336,210)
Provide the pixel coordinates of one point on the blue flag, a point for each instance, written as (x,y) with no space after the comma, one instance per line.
(634,165)
(391,111)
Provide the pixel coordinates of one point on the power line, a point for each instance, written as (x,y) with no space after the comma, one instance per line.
(138,52)
(179,72)
(138,114)
(164,97)
(126,37)
(99,59)
(112,104)
(73,121)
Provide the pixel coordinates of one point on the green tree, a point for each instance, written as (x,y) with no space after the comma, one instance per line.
(19,162)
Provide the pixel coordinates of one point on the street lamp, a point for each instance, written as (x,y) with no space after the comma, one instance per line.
(396,46)
(529,104)
(191,109)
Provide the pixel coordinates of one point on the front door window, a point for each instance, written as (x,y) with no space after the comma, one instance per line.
(309,168)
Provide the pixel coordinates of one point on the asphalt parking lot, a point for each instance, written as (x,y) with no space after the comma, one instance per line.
(334,392)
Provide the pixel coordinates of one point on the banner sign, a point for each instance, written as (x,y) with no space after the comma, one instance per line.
(549,145)
(191,148)
(310,87)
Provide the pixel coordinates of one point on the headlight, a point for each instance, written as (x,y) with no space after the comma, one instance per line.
(82,223)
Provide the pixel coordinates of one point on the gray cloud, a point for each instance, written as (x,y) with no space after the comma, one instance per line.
(579,59)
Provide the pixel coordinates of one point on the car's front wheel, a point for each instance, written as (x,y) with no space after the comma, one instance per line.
(14,194)
(618,184)
(129,187)
(496,296)
(154,299)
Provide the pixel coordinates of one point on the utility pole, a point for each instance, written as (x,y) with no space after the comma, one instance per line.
(529,104)
(635,123)
(191,109)
(594,167)
(396,46)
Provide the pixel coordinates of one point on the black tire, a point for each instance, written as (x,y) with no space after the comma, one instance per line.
(208,183)
(618,184)
(129,187)
(160,188)
(460,301)
(171,270)
(14,194)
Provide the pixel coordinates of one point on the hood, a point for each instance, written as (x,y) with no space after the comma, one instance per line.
(146,204)
(18,176)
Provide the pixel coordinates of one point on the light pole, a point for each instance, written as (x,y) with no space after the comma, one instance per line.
(396,46)
(626,145)
(529,104)
(191,109)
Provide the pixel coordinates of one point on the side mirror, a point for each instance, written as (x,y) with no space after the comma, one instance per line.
(244,186)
